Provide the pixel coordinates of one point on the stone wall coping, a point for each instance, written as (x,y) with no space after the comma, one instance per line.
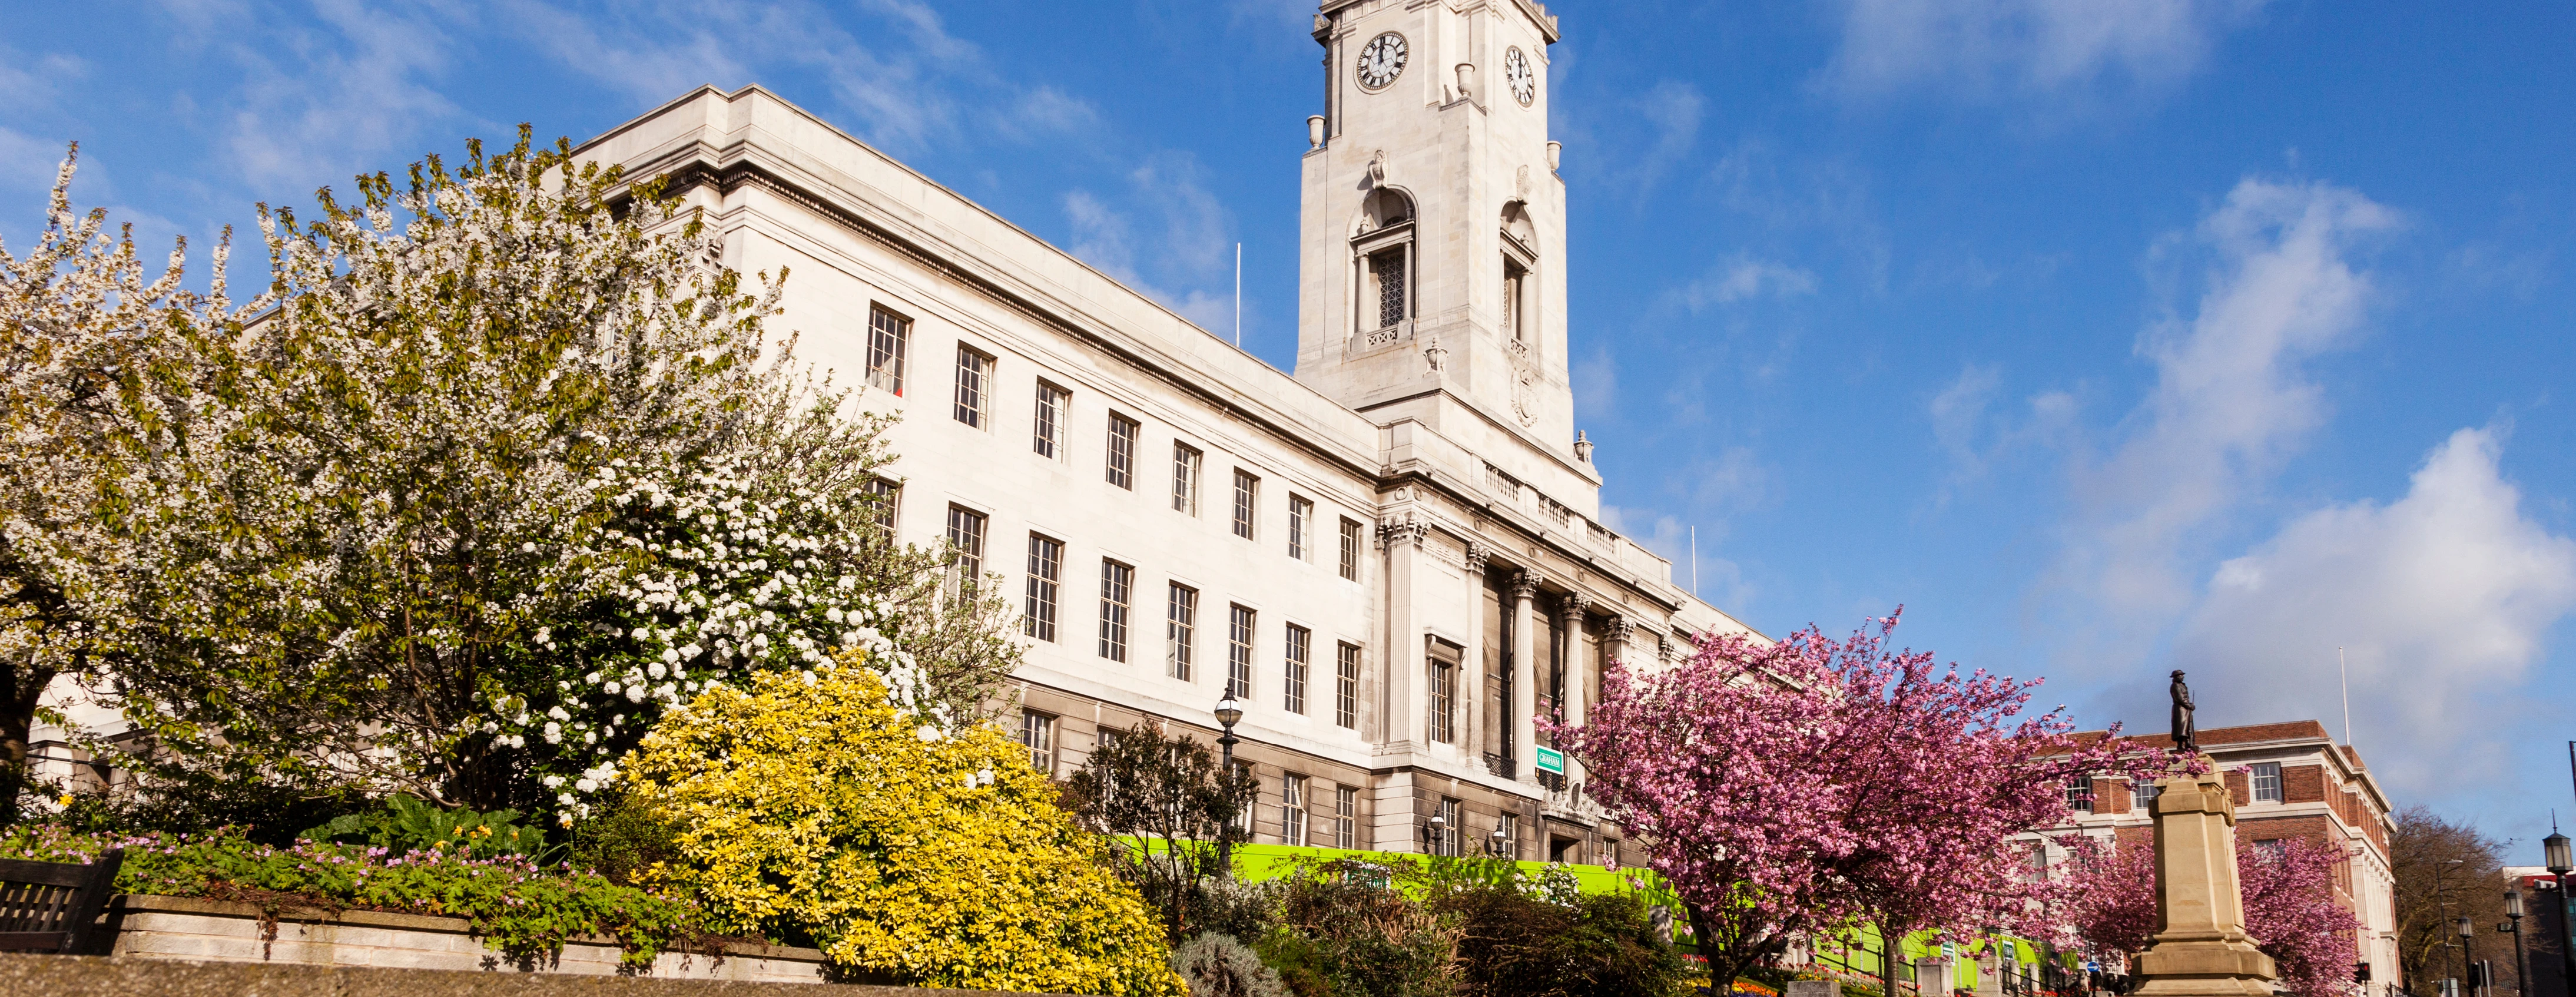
(118,976)
(138,903)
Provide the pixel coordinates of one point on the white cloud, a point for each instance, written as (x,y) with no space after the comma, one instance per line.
(1989,47)
(1596,382)
(1184,242)
(2441,601)
(2231,398)
(1974,435)
(1720,581)
(1740,278)
(1673,110)
(322,103)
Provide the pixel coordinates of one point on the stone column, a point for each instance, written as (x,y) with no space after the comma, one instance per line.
(2200,947)
(1402,704)
(1615,642)
(1471,671)
(1990,968)
(1524,678)
(1577,681)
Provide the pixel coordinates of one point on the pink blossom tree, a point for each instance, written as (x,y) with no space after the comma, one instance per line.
(2105,900)
(1805,787)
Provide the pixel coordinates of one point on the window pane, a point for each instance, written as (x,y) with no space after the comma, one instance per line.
(1246,496)
(2079,794)
(1300,514)
(1047,436)
(1351,549)
(974,372)
(1046,566)
(1037,733)
(889,335)
(1238,654)
(1292,810)
(966,534)
(1387,269)
(1185,479)
(2267,782)
(1295,684)
(1115,582)
(1346,812)
(1346,687)
(889,499)
(1122,452)
(1180,631)
(1444,695)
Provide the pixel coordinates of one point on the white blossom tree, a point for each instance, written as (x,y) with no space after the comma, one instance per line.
(81,322)
(497,473)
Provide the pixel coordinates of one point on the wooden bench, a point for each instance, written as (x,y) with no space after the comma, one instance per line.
(52,906)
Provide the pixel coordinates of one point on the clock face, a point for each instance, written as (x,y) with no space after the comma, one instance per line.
(1382,60)
(1516,69)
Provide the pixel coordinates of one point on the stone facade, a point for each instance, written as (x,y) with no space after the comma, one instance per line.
(2311,789)
(1393,553)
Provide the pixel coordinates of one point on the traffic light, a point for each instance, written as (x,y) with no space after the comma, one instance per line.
(2480,974)
(2360,972)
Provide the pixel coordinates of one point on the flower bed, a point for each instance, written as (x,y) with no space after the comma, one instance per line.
(521,909)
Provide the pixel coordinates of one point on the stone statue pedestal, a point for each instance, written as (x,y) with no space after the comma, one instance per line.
(2200,947)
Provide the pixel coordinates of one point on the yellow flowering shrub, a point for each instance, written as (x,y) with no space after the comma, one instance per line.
(812,803)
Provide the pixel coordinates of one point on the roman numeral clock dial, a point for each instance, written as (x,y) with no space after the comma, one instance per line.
(1516,70)
(1381,61)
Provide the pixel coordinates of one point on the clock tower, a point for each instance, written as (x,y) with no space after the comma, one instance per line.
(1432,268)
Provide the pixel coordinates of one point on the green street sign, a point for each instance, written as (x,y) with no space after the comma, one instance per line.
(1551,760)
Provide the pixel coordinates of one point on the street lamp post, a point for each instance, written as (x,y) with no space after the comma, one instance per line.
(2513,923)
(2468,958)
(1434,831)
(1228,713)
(1497,843)
(2560,864)
(2442,910)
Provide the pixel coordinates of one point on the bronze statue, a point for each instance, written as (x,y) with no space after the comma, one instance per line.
(2185,736)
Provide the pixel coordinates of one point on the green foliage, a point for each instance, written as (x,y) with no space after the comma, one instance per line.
(260,812)
(1167,803)
(627,842)
(1517,944)
(498,469)
(811,803)
(1216,965)
(523,910)
(404,824)
(1341,934)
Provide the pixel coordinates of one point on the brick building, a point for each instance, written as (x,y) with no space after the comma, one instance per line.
(2291,781)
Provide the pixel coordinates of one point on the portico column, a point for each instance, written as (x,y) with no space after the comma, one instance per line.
(1403,705)
(1471,672)
(1524,679)
(1615,643)
(1576,679)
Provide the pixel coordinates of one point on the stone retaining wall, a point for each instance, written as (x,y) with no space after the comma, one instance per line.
(131,976)
(149,927)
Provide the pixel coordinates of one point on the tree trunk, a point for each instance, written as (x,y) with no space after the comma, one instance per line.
(17,725)
(1891,945)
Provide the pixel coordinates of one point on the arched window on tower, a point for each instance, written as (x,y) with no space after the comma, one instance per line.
(1382,251)
(1520,256)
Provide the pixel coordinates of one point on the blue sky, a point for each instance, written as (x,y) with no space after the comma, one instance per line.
(2107,336)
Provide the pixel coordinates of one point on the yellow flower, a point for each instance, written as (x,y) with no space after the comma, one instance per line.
(819,809)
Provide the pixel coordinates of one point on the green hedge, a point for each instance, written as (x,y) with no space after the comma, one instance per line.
(522,909)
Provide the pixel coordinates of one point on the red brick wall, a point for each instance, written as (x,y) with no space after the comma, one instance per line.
(2314,830)
(2111,796)
(2303,784)
(2237,787)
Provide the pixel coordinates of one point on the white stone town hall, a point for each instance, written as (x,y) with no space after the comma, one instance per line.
(1392,556)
